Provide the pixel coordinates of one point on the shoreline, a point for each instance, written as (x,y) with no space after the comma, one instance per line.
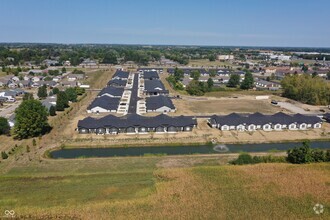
(47,153)
(181,144)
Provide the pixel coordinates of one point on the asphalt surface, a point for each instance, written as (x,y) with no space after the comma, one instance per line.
(134,95)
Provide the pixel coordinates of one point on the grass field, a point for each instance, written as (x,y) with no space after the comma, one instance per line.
(231,93)
(164,188)
(2,73)
(207,63)
(234,105)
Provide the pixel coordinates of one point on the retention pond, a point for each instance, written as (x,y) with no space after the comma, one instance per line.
(179,150)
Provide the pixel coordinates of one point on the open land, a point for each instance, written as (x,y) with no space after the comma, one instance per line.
(185,187)
(160,187)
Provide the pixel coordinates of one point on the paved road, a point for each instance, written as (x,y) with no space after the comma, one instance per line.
(134,95)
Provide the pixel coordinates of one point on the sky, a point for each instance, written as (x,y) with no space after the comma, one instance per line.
(294,23)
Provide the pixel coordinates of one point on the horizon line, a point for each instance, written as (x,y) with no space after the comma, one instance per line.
(177,45)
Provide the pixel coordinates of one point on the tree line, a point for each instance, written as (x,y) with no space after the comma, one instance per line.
(307,89)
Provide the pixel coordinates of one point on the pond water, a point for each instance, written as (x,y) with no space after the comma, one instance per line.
(179,150)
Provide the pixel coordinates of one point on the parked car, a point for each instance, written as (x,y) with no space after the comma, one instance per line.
(274,102)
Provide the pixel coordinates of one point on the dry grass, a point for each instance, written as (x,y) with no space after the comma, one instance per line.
(290,180)
(207,63)
(263,191)
(227,106)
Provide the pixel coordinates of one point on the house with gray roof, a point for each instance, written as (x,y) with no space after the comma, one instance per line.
(136,124)
(154,88)
(159,104)
(120,74)
(117,83)
(258,121)
(149,75)
(111,92)
(104,104)
(263,84)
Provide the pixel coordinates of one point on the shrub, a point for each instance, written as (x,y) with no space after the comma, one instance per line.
(318,155)
(305,154)
(4,155)
(243,158)
(327,156)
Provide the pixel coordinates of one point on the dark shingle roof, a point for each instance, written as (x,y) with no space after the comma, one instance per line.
(260,119)
(117,82)
(114,91)
(135,120)
(153,85)
(121,74)
(150,75)
(106,102)
(157,102)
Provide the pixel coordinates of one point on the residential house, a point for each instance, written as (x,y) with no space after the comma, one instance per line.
(74,77)
(120,75)
(88,62)
(104,104)
(117,83)
(49,101)
(49,62)
(133,124)
(159,104)
(263,84)
(258,121)
(154,87)
(111,92)
(149,75)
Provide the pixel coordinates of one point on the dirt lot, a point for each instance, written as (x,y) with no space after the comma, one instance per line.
(207,106)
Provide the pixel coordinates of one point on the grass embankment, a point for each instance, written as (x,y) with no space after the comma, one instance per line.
(235,92)
(141,188)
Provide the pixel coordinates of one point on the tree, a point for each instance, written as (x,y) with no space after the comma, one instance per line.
(55,91)
(110,57)
(4,126)
(71,94)
(42,92)
(212,73)
(52,110)
(28,96)
(62,101)
(248,81)
(196,88)
(306,89)
(79,90)
(304,68)
(314,74)
(63,69)
(233,80)
(328,75)
(195,74)
(301,154)
(31,119)
(178,74)
(212,57)
(210,83)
